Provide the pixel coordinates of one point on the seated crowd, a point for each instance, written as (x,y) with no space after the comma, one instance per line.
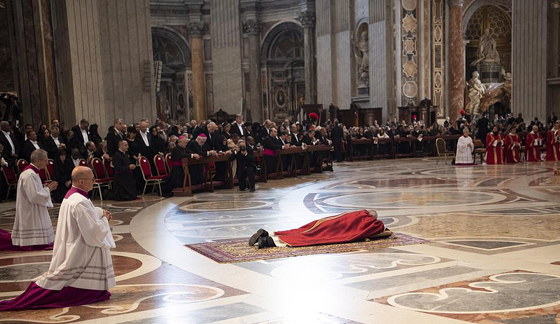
(124,145)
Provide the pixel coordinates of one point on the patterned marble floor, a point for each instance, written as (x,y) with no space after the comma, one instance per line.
(494,255)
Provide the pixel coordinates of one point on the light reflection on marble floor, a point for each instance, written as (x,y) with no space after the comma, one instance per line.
(494,257)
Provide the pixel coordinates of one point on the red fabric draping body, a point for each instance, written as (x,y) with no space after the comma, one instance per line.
(494,154)
(512,144)
(343,228)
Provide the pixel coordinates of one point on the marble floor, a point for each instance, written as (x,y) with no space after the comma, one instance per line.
(493,255)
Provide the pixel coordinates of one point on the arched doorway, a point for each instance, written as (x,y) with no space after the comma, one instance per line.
(283,71)
(173,56)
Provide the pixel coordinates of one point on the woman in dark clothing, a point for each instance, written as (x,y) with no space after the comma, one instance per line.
(133,144)
(94,134)
(226,132)
(157,142)
(62,174)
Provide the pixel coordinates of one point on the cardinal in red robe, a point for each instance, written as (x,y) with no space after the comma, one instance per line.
(533,144)
(553,143)
(343,228)
(494,147)
(512,146)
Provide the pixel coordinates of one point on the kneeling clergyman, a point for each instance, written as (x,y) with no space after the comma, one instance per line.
(465,148)
(81,270)
(33,228)
(343,228)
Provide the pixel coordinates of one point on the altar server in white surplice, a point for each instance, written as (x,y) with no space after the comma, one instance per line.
(81,269)
(81,256)
(465,148)
(32,224)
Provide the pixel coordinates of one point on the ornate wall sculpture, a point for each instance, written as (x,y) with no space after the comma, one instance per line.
(409,59)
(438,56)
(361,53)
(498,23)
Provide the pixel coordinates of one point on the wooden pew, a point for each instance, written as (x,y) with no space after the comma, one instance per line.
(209,184)
(327,158)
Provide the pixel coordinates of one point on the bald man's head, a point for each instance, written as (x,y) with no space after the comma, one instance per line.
(81,173)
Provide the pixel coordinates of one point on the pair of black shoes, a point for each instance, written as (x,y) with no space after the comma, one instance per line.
(262,238)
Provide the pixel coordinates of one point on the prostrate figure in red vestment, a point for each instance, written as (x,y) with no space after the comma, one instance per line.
(512,146)
(533,144)
(32,224)
(553,143)
(494,147)
(81,270)
(344,228)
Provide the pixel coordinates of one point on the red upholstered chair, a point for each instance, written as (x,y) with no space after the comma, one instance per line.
(167,162)
(11,178)
(109,171)
(148,177)
(160,165)
(83,162)
(50,169)
(101,178)
(21,164)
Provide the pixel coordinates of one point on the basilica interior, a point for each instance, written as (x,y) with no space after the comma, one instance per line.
(475,244)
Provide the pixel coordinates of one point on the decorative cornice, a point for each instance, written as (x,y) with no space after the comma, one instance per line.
(307,19)
(252,27)
(455,3)
(196,29)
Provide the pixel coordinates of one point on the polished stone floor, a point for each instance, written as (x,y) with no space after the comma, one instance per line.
(493,256)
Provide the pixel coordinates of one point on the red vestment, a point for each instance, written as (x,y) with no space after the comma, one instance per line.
(553,145)
(532,151)
(343,228)
(511,148)
(494,154)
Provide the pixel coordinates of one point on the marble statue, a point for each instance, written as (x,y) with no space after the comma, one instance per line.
(361,52)
(476,92)
(487,51)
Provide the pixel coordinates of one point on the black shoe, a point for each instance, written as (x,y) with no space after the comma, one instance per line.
(252,190)
(241,189)
(260,233)
(270,242)
(262,243)
(265,242)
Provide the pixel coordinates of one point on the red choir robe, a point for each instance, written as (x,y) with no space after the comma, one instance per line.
(344,228)
(553,145)
(532,151)
(511,148)
(494,154)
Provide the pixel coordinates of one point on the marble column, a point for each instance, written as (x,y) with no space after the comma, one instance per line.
(196,30)
(252,27)
(456,59)
(307,19)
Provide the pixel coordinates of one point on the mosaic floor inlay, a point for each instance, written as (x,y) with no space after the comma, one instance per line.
(493,257)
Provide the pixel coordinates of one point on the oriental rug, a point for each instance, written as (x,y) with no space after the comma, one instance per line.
(237,250)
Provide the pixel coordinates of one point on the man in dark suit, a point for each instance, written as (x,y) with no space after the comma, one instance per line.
(8,140)
(336,135)
(145,141)
(81,132)
(29,146)
(238,127)
(124,184)
(245,166)
(482,126)
(115,135)
(265,130)
(52,143)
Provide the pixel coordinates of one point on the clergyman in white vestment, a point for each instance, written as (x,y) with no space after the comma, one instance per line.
(32,224)
(81,270)
(465,148)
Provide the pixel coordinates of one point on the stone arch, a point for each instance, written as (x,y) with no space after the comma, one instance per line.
(275,32)
(171,39)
